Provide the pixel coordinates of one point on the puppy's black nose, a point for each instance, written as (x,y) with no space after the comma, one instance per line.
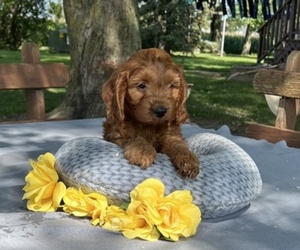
(160,111)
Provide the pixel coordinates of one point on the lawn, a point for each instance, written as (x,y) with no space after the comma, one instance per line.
(213,99)
(217,100)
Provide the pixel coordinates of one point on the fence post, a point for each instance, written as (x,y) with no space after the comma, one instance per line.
(31,54)
(288,107)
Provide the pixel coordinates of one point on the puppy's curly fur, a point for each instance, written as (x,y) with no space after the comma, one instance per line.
(145,106)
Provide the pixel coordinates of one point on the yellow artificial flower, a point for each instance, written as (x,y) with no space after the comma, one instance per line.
(148,216)
(144,199)
(81,205)
(173,216)
(132,226)
(150,189)
(42,189)
(179,216)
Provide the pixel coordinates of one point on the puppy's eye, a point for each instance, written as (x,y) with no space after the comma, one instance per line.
(142,85)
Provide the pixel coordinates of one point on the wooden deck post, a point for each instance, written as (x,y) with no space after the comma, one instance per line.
(288,107)
(35,103)
(287,85)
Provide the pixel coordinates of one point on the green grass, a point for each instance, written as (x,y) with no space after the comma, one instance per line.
(46,57)
(213,97)
(232,102)
(212,62)
(12,102)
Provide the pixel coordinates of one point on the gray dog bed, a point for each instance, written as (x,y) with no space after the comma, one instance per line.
(228,181)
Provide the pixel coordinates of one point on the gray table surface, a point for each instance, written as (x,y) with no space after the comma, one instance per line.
(271,222)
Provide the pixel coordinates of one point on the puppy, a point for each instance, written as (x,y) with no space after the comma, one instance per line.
(145,106)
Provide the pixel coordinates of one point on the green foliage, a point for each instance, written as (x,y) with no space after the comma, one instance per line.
(235,24)
(234,44)
(20,21)
(174,25)
(57,15)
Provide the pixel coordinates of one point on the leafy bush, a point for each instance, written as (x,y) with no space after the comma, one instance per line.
(234,44)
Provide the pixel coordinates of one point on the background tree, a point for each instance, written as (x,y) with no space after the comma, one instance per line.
(57,17)
(102,34)
(22,20)
(171,25)
(216,24)
(252,26)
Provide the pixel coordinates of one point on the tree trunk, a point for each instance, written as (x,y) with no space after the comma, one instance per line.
(247,41)
(102,33)
(216,25)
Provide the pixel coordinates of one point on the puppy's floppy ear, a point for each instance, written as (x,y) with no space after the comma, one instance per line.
(181,115)
(113,95)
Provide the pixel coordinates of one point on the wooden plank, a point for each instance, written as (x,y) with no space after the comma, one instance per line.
(293,62)
(273,135)
(286,113)
(30,53)
(35,101)
(276,82)
(33,76)
(35,104)
(288,107)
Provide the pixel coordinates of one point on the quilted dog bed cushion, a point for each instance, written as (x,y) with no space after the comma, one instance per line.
(228,181)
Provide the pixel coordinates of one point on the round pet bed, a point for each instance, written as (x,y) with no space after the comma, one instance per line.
(228,181)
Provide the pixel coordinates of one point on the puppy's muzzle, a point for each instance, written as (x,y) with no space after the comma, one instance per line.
(160,111)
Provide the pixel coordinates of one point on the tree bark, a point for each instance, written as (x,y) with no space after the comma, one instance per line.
(102,33)
(216,25)
(247,41)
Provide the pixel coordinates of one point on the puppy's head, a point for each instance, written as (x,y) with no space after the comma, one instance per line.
(149,88)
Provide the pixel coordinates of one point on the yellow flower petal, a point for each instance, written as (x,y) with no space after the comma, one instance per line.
(178,218)
(184,196)
(41,189)
(146,233)
(49,159)
(58,194)
(149,189)
(80,204)
(131,226)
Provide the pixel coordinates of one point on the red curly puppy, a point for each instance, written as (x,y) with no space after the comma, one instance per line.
(145,106)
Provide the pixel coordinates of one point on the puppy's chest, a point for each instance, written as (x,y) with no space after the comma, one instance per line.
(153,135)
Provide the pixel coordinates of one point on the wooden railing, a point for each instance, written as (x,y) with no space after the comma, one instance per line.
(33,77)
(280,35)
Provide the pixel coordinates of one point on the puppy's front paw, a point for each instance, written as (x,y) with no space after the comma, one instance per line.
(187,164)
(140,154)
